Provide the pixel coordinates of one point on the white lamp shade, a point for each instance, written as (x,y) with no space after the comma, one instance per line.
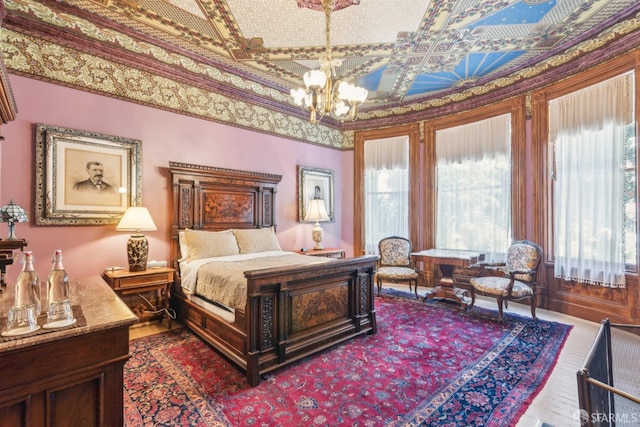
(136,218)
(315,79)
(316,211)
(352,93)
(341,109)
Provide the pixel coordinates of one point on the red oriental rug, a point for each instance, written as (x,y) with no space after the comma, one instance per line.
(430,364)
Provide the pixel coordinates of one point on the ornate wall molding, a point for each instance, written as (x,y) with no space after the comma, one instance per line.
(48,61)
(114,61)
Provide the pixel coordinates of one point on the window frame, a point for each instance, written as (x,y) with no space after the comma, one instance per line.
(517,108)
(543,159)
(413,132)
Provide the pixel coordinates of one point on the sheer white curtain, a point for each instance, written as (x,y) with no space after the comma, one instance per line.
(587,129)
(386,181)
(474,187)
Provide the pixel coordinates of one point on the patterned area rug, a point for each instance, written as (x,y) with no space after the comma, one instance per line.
(430,364)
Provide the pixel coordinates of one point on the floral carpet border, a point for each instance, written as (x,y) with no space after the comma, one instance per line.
(444,408)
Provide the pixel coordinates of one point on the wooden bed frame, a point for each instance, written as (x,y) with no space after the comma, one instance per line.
(291,312)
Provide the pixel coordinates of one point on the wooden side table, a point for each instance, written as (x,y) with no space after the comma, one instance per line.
(446,260)
(158,280)
(328,252)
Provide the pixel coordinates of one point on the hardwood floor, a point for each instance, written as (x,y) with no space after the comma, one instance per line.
(556,404)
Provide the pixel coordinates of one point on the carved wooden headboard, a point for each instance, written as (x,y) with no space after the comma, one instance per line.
(215,199)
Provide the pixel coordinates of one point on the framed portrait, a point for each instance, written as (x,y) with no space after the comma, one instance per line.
(314,183)
(85,178)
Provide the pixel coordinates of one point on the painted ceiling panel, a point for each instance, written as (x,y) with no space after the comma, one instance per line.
(522,12)
(190,6)
(281,23)
(401,50)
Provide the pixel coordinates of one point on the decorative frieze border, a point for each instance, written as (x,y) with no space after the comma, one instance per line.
(182,84)
(44,60)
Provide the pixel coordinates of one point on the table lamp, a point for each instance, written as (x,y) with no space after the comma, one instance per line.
(317,212)
(137,219)
(12,213)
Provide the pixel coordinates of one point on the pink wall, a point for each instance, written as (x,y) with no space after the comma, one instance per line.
(165,136)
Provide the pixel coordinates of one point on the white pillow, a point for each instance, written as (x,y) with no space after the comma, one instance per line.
(252,240)
(182,242)
(209,244)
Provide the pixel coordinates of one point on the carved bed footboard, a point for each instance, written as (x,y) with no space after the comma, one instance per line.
(292,313)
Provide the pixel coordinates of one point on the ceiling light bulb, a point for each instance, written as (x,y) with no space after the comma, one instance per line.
(359,94)
(343,90)
(315,79)
(341,109)
(297,95)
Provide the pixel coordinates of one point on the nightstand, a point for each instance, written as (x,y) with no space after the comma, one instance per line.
(328,252)
(157,280)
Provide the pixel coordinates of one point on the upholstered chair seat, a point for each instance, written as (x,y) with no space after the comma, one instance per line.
(518,279)
(495,286)
(397,273)
(395,263)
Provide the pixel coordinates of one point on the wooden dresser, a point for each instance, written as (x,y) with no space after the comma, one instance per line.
(71,377)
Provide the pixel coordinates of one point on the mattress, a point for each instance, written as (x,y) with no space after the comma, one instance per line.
(222,279)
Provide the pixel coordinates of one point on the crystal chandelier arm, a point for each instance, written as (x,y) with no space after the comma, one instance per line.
(323,95)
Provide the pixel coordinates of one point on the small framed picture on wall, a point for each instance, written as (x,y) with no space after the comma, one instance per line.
(314,183)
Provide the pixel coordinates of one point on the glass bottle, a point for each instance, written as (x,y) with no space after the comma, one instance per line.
(59,312)
(23,316)
(28,284)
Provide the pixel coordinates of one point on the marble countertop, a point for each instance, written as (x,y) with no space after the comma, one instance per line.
(100,305)
(448,253)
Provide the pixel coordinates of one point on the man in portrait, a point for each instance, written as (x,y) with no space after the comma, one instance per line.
(95,182)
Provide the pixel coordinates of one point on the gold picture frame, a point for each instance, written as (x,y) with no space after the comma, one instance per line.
(85,178)
(312,183)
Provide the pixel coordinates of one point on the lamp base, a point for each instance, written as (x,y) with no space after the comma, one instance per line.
(318,234)
(137,252)
(12,231)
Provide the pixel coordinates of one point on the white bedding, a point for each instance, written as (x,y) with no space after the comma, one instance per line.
(222,280)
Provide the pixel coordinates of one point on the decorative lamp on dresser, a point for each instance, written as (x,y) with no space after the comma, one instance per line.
(71,376)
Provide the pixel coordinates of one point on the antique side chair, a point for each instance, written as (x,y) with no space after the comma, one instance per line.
(395,263)
(518,281)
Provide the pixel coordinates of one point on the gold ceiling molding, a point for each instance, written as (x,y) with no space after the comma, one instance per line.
(48,61)
(123,41)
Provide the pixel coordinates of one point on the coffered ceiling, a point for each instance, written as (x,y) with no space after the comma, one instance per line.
(409,54)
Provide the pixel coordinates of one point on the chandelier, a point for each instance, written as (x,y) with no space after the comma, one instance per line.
(322,95)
